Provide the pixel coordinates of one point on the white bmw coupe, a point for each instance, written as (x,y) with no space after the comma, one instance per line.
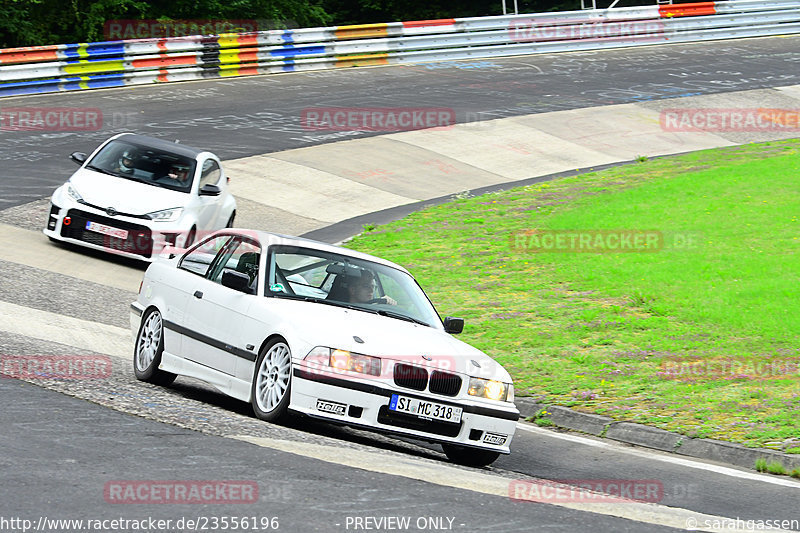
(297,326)
(136,195)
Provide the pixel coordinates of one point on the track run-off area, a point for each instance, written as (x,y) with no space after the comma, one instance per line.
(517,119)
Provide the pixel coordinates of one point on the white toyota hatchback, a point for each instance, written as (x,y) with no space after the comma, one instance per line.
(293,325)
(136,195)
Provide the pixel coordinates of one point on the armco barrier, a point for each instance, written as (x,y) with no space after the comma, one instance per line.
(66,67)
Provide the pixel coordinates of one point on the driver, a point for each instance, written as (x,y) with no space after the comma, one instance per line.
(362,290)
(126,162)
(181,175)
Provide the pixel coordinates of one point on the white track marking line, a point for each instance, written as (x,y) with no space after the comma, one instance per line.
(639,452)
(80,334)
(490,484)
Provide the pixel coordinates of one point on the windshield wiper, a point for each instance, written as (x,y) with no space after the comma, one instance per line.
(102,170)
(115,174)
(321,301)
(400,316)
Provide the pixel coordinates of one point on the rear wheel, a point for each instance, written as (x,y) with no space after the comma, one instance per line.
(148,349)
(272,381)
(463,455)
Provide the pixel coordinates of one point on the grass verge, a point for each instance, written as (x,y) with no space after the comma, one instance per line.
(696,333)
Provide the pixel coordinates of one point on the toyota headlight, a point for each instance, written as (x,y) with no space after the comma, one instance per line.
(491,389)
(344,360)
(166,215)
(73,193)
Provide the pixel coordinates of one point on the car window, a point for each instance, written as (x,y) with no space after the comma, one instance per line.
(200,258)
(211,173)
(241,256)
(339,279)
(147,165)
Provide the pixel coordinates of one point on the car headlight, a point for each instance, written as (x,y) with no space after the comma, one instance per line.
(344,360)
(167,215)
(73,193)
(491,389)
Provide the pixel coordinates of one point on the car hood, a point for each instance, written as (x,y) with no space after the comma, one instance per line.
(388,338)
(126,196)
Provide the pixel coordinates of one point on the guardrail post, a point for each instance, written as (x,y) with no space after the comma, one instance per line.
(516,8)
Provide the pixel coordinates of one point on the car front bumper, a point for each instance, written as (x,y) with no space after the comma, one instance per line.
(145,240)
(364,404)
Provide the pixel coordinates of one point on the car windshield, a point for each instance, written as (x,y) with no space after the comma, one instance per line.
(148,165)
(341,280)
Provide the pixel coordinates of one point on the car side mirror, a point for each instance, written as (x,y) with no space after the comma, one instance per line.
(210,190)
(453,325)
(236,281)
(78,157)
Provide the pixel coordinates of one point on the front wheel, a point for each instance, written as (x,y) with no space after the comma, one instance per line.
(469,456)
(272,381)
(148,349)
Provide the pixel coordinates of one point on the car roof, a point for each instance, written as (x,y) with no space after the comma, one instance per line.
(268,238)
(144,141)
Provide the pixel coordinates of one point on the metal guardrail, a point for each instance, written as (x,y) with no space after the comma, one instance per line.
(67,67)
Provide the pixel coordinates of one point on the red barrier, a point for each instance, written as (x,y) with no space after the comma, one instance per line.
(28,54)
(433,22)
(687,10)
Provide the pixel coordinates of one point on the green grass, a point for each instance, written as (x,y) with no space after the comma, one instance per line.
(773,467)
(699,336)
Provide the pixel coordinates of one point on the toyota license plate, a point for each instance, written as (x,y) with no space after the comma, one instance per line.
(425,409)
(107,230)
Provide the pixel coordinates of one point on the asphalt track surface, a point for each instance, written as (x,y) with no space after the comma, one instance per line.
(59,451)
(248,116)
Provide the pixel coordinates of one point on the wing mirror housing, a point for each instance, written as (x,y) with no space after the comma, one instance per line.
(236,281)
(453,325)
(78,157)
(210,190)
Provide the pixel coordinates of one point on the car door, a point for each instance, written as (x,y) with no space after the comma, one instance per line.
(215,313)
(208,206)
(179,290)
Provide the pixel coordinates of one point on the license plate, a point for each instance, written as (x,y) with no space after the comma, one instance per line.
(425,409)
(107,230)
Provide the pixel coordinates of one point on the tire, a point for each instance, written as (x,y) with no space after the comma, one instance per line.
(469,456)
(148,349)
(190,237)
(230,220)
(272,382)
